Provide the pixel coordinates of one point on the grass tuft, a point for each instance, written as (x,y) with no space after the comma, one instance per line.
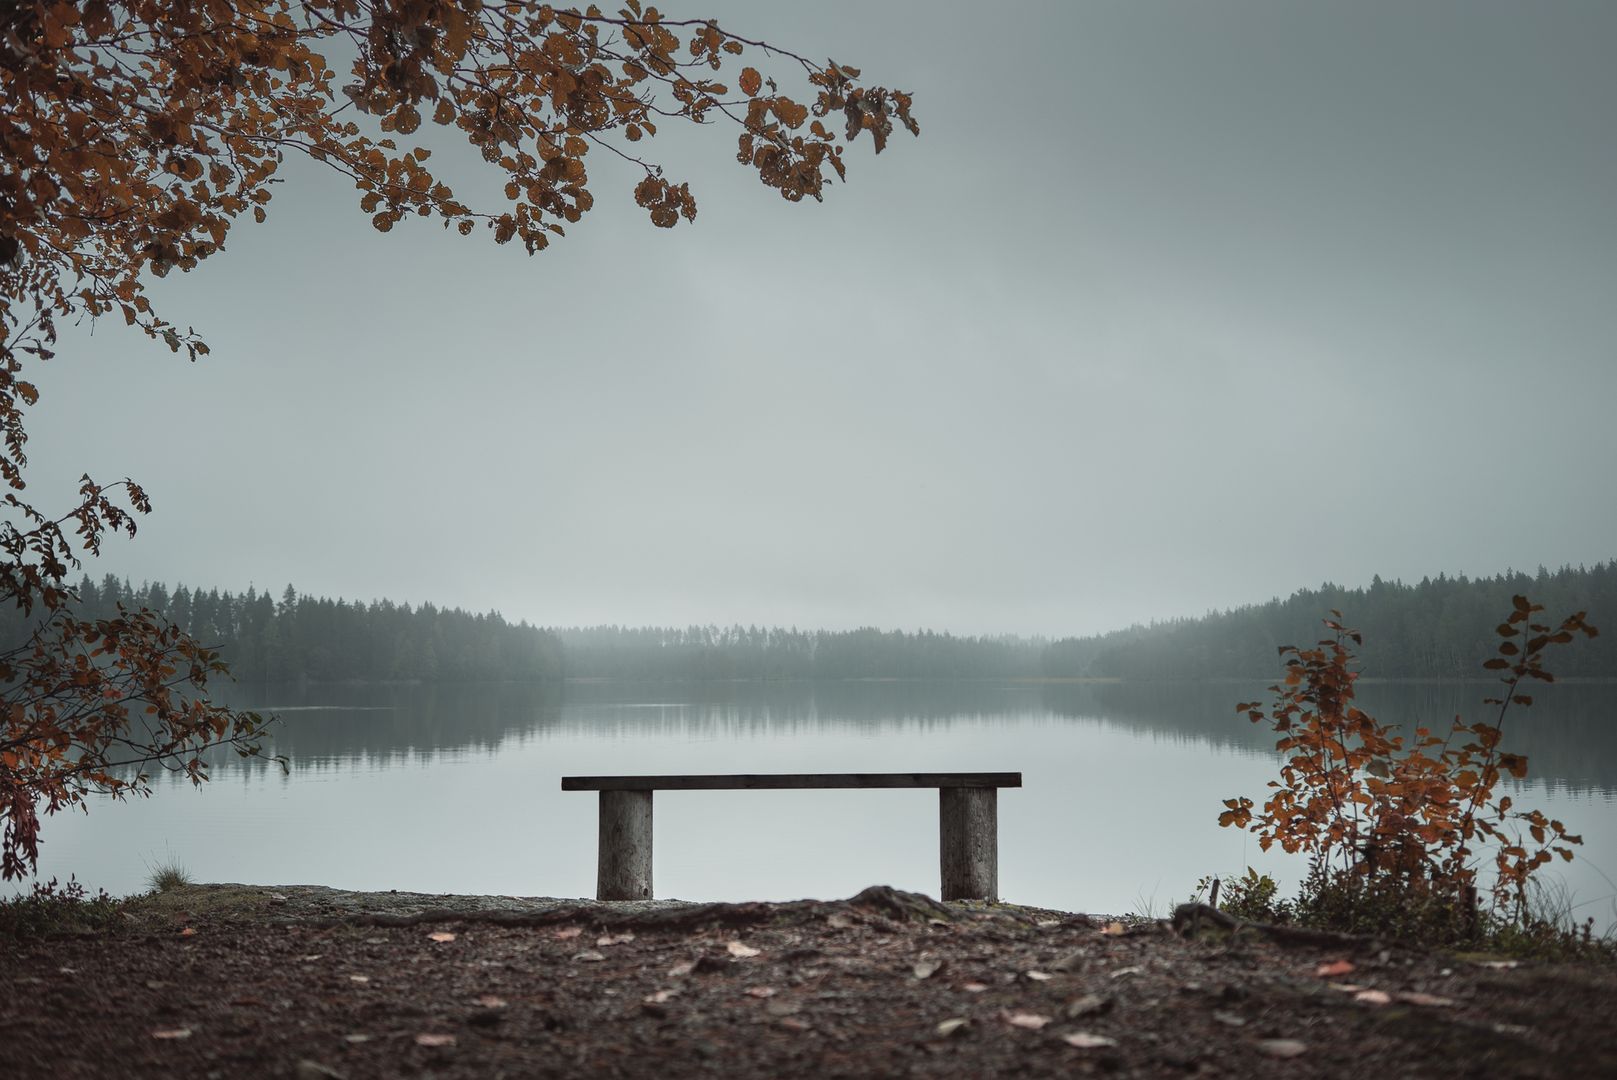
(167,876)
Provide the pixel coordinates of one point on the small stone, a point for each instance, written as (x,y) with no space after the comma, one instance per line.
(1085,1040)
(1073,961)
(313,1070)
(1283,1048)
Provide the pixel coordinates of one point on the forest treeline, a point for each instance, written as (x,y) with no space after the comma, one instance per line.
(1439,628)
(1442,627)
(752,652)
(319,639)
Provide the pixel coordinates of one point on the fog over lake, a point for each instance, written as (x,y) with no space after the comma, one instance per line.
(457,788)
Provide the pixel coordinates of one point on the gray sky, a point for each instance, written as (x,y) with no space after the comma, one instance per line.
(1172,306)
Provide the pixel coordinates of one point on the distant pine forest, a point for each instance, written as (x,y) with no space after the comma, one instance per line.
(1440,628)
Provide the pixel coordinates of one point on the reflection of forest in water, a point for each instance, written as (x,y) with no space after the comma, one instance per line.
(1569,735)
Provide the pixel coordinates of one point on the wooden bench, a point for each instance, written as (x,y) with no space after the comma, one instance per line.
(968,822)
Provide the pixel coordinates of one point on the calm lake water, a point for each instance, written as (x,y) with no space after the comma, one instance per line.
(457,789)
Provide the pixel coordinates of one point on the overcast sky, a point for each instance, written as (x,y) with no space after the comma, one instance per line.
(1172,307)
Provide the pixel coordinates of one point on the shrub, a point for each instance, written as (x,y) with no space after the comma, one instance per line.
(53,910)
(1394,828)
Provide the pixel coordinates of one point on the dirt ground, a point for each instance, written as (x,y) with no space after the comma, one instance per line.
(231,981)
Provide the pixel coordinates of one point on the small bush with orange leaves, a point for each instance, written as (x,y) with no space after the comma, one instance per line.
(1394,823)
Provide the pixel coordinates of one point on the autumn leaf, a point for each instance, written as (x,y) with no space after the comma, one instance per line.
(1028,1020)
(568,933)
(751,82)
(1333,968)
(441,936)
(740,950)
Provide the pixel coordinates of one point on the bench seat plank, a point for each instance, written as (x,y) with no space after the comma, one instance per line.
(732,781)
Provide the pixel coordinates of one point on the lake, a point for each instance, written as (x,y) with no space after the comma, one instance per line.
(457,789)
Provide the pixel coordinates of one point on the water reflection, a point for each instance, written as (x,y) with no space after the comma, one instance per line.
(1569,735)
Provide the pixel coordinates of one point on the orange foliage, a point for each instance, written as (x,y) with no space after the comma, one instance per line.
(1366,803)
(135,133)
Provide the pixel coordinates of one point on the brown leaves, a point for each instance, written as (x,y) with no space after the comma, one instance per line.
(1369,804)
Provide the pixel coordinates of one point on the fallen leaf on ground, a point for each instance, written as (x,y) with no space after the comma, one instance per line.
(761,991)
(792,1023)
(1113,929)
(1031,1021)
(359,978)
(1089,1003)
(172,1033)
(589,956)
(1346,988)
(1415,997)
(1084,1040)
(1038,976)
(1229,1019)
(568,933)
(953,1026)
(441,936)
(1124,972)
(431,1039)
(1283,1048)
(682,969)
(974,987)
(740,950)
(312,957)
(489,1001)
(660,997)
(188,932)
(356,1038)
(1335,967)
(614,939)
(1373,997)
(925,969)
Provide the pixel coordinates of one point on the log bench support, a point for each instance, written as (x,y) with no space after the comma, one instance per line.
(968,822)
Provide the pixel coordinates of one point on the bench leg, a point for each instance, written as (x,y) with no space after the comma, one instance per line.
(623,867)
(968,834)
